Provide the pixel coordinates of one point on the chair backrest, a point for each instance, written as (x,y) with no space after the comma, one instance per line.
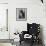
(33,28)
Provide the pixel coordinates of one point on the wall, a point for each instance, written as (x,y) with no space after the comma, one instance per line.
(35,13)
(3,21)
(4,34)
(3,1)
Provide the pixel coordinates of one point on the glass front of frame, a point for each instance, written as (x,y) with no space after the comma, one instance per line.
(21,14)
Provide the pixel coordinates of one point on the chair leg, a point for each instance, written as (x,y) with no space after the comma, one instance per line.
(32,42)
(20,42)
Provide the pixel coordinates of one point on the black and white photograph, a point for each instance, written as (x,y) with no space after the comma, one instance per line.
(21,14)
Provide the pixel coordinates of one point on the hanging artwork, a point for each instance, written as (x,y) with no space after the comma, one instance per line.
(21,14)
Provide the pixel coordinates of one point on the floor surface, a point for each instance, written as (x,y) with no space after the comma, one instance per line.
(27,44)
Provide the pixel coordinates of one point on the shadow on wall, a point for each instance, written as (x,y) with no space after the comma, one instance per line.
(41,34)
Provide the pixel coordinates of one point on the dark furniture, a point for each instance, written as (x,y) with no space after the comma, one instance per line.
(32,29)
(42,1)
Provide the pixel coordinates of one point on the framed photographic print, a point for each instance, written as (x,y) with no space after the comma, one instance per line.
(21,14)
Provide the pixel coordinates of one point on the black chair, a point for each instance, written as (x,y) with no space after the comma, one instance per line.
(32,29)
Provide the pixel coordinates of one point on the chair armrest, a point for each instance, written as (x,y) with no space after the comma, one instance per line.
(24,32)
(22,35)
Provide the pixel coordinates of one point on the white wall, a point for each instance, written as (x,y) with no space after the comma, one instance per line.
(3,21)
(3,1)
(35,13)
(4,34)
